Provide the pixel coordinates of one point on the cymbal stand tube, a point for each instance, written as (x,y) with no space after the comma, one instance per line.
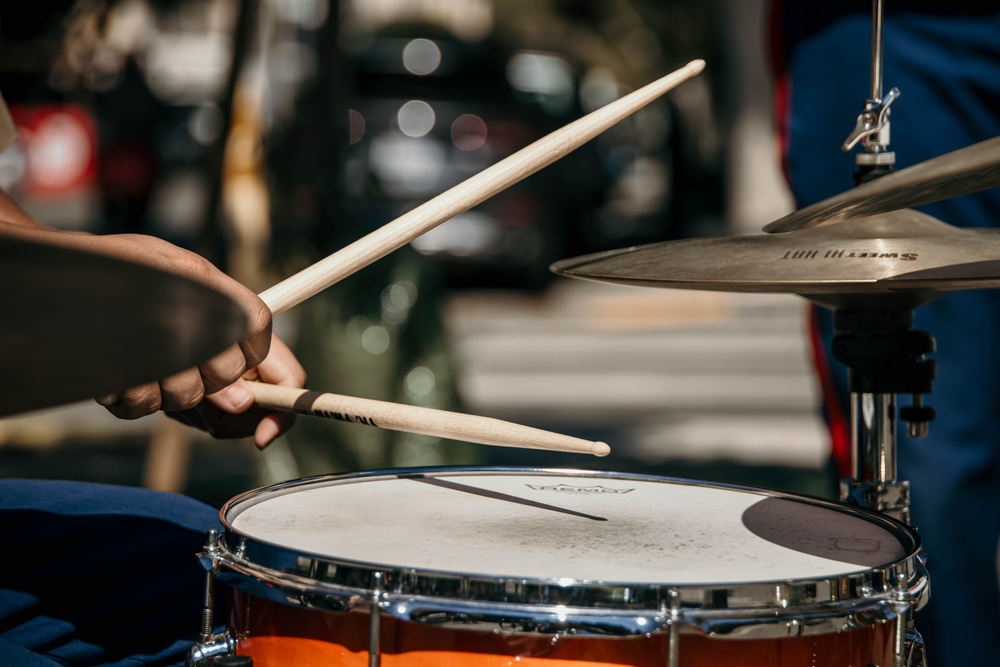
(873,457)
(877,14)
(873,418)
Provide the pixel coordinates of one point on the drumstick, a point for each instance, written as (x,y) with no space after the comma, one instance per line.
(425,421)
(467,194)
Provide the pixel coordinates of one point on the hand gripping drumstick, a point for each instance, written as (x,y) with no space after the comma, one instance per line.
(467,194)
(425,421)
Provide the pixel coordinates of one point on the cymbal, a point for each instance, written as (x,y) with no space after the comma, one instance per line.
(960,172)
(895,260)
(77,325)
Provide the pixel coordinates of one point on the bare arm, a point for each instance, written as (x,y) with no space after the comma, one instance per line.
(213,391)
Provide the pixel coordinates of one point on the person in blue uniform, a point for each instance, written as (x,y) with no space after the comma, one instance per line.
(945,60)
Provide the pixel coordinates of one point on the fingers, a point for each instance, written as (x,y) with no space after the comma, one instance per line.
(280,367)
(272,426)
(223,369)
(133,403)
(182,391)
(187,389)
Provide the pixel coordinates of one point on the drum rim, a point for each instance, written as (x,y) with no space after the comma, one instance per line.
(854,599)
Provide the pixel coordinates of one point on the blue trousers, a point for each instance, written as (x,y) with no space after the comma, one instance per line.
(947,67)
(98,574)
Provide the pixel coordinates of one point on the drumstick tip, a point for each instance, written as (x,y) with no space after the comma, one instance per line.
(695,66)
(600,449)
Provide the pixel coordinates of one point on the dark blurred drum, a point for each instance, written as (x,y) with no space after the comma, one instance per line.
(548,568)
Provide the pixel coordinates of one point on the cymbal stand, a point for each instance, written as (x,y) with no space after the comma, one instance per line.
(884,354)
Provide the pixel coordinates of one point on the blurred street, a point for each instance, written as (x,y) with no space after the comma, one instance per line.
(314,146)
(695,384)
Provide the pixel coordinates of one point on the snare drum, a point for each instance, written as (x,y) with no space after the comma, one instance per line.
(557,568)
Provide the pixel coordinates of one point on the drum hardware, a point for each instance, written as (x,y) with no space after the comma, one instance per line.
(884,357)
(872,123)
(210,645)
(375,621)
(872,126)
(674,628)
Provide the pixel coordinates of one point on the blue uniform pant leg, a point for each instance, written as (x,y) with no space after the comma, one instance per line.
(99,574)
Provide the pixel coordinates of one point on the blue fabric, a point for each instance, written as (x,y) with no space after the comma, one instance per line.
(947,68)
(97,574)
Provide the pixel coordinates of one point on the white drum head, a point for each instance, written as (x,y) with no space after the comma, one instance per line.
(568,526)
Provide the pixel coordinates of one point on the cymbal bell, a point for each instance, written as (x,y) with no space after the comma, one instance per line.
(895,260)
(967,170)
(78,325)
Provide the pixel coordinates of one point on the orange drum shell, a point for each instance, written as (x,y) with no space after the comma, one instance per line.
(276,634)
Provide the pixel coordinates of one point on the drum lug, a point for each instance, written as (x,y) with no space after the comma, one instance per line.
(910,650)
(914,652)
(211,645)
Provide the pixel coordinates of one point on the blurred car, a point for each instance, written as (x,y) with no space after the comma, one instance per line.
(52,168)
(428,111)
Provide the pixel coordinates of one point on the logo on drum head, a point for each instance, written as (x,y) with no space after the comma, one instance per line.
(578,490)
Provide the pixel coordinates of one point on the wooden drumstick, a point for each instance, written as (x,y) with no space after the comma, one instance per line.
(425,421)
(471,192)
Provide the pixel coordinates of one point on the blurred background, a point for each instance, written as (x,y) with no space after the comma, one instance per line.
(266,134)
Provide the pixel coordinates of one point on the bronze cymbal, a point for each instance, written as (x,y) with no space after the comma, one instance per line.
(77,325)
(960,172)
(899,259)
